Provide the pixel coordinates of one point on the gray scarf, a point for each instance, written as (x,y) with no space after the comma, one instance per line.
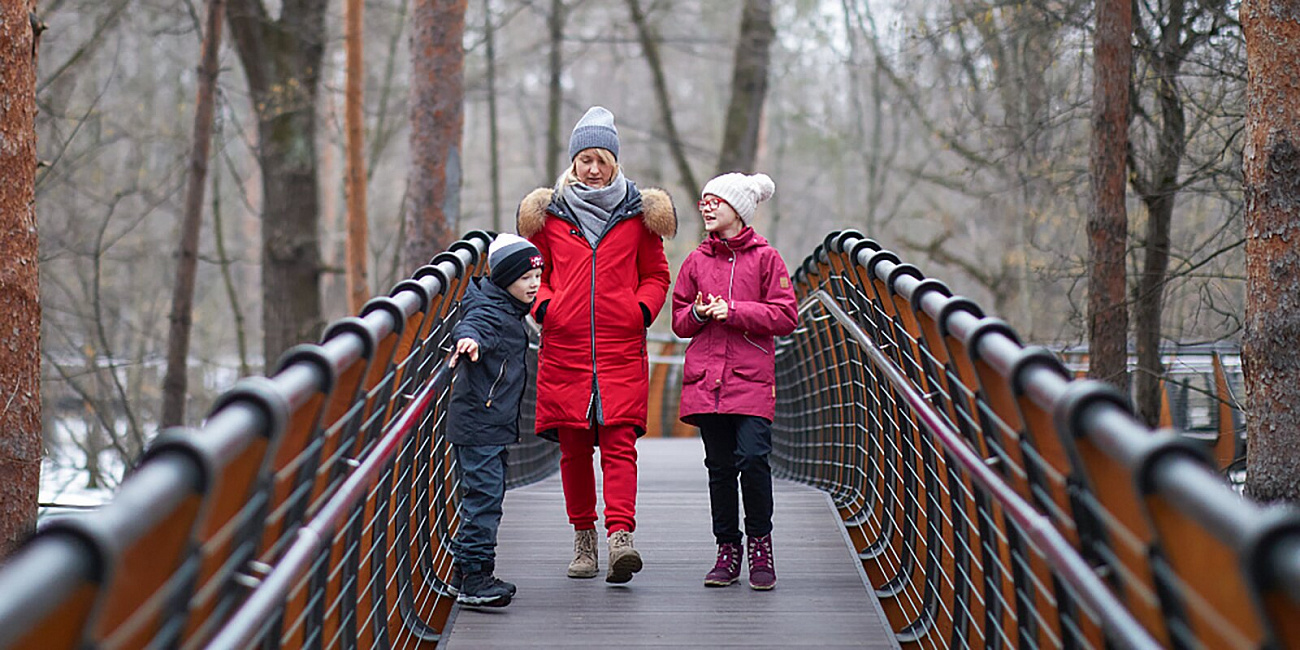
(593,207)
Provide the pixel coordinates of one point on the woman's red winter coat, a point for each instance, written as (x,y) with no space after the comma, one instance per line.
(590,306)
(730,365)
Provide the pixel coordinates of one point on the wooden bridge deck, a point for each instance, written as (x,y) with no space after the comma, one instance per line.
(820,600)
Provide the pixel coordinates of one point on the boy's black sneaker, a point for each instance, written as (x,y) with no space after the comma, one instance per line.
(508,586)
(491,567)
(481,589)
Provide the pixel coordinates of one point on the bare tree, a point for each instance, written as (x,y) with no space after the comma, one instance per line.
(1108,221)
(176,380)
(748,88)
(20,359)
(282,61)
(1165,41)
(489,37)
(1272,174)
(437,123)
(650,47)
(555,90)
(357,284)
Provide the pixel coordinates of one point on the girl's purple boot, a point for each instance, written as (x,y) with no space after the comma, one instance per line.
(762,567)
(726,570)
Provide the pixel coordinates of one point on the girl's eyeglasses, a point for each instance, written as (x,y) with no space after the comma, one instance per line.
(711,203)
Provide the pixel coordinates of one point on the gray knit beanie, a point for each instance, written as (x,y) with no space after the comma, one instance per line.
(595,129)
(743,192)
(511,256)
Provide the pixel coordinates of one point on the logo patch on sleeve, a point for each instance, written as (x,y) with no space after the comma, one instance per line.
(785,282)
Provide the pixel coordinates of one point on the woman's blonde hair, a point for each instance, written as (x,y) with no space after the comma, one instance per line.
(570,175)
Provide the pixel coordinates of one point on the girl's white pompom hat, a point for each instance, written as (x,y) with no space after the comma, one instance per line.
(743,192)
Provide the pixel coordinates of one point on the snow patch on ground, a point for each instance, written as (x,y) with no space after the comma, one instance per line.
(64,478)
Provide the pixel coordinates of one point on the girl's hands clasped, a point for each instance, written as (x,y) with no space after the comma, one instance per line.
(715,307)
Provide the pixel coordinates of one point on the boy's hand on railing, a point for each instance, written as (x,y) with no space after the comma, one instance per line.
(464,346)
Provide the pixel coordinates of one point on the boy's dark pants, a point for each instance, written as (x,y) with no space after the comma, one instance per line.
(482,472)
(738,446)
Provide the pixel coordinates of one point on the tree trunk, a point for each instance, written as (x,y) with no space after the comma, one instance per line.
(176,380)
(357,284)
(437,121)
(489,35)
(1108,222)
(555,95)
(1159,193)
(20,340)
(748,88)
(651,49)
(282,60)
(1270,355)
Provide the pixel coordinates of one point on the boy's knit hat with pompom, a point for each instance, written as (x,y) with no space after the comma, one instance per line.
(511,256)
(743,192)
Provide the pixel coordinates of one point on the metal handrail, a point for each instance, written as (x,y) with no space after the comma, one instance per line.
(261,606)
(1122,628)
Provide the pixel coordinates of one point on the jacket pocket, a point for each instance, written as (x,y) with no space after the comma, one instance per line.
(757,375)
(495,383)
(691,375)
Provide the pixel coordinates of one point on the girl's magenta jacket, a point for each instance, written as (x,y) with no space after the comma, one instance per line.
(730,366)
(593,306)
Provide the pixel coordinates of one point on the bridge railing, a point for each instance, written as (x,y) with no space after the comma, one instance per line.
(993,499)
(312,508)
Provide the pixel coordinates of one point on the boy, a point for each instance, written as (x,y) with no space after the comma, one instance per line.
(484,414)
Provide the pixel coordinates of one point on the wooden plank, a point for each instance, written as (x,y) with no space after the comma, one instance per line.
(820,600)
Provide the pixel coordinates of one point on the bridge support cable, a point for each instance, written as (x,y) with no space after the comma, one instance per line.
(995,500)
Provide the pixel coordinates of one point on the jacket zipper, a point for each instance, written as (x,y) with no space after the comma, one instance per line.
(519,403)
(593,404)
(731,280)
(491,391)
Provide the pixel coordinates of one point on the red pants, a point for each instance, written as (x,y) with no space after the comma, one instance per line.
(618,469)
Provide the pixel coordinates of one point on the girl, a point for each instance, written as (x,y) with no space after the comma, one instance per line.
(732,297)
(605,279)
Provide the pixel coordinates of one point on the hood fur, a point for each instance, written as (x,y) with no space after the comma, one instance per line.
(657,212)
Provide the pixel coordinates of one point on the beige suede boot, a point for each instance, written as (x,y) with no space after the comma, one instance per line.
(584,564)
(623,559)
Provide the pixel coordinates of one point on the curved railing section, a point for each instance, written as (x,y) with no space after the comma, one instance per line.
(313,508)
(994,500)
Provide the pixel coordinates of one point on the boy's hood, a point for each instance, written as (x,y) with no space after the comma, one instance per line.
(482,291)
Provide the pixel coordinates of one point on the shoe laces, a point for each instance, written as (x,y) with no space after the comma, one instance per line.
(585,544)
(760,553)
(728,557)
(621,538)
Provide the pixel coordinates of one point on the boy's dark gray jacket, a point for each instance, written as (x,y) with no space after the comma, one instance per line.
(486,395)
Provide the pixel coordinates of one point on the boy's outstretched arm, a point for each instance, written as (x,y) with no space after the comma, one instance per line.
(475,325)
(464,346)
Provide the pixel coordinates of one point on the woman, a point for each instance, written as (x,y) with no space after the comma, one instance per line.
(604,280)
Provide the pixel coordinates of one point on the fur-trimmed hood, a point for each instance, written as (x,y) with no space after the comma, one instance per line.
(657,211)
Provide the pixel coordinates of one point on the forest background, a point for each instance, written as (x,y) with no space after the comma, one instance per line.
(956,133)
